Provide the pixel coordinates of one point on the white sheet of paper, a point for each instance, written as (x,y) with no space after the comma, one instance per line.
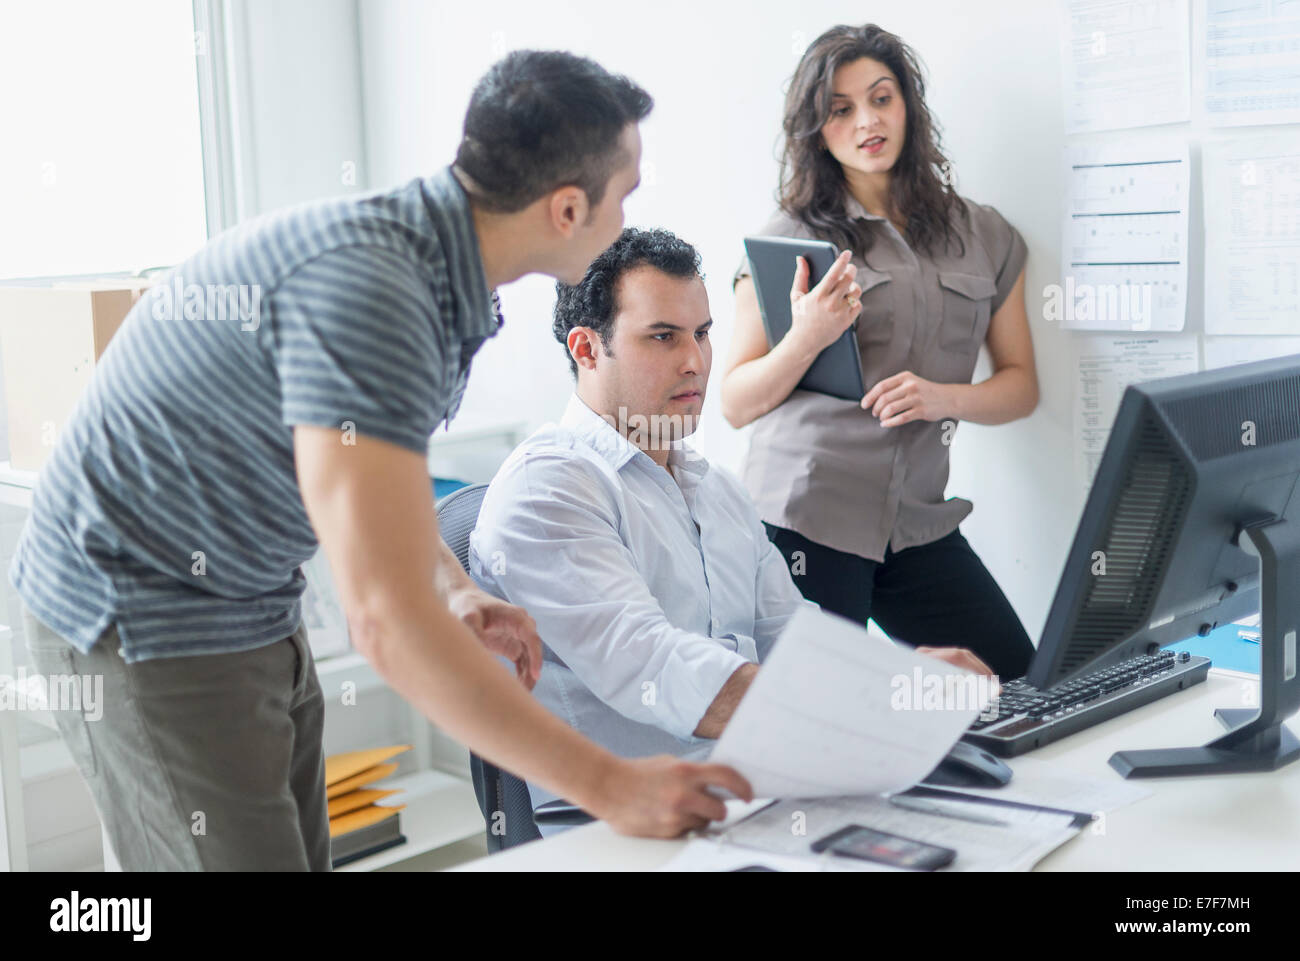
(836,712)
(1249,69)
(1124,243)
(1124,65)
(1106,365)
(1229,351)
(1252,236)
(708,854)
(789,829)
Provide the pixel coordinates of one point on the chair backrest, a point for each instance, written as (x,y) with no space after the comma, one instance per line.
(457,515)
(503,798)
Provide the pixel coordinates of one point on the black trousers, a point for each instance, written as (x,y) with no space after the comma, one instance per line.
(938,594)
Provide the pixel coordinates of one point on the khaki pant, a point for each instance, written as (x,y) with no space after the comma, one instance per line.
(203,763)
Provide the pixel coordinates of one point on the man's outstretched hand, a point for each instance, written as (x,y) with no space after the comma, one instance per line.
(661,797)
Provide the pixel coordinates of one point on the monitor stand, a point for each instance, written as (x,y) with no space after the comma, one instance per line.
(1257,740)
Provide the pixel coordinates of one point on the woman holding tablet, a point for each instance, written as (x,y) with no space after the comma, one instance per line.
(853,493)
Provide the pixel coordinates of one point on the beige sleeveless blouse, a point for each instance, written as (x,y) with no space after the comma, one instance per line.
(826,468)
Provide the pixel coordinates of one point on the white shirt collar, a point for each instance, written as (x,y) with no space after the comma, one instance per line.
(604,438)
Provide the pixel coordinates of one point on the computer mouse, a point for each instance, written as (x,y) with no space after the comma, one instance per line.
(969,766)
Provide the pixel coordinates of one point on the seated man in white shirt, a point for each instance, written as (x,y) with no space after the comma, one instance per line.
(655,589)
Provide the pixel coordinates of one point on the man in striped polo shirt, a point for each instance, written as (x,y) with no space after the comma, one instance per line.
(277,390)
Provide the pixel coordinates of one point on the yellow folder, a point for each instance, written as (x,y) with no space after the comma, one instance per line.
(364,817)
(339,767)
(355,799)
(369,776)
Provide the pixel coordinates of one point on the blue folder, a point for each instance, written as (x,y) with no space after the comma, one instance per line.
(1225,647)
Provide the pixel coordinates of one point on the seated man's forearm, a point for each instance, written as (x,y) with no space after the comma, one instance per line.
(725,702)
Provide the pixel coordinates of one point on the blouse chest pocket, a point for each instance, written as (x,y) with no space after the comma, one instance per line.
(967,300)
(876,319)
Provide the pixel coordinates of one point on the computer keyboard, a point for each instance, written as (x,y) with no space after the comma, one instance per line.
(1029,718)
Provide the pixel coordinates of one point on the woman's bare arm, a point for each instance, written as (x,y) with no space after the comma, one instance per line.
(1012,390)
(757,379)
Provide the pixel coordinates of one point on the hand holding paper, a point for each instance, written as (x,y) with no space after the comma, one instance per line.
(835,712)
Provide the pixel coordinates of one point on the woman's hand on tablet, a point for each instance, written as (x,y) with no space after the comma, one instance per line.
(820,315)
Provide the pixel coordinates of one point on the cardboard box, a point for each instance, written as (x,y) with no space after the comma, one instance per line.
(51,335)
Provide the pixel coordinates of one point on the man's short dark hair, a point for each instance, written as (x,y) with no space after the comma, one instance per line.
(591,302)
(542,119)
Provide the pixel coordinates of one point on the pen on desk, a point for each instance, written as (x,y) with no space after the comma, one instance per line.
(928,807)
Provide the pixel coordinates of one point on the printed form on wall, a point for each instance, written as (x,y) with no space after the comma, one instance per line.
(1252,236)
(1125,64)
(1106,366)
(1124,249)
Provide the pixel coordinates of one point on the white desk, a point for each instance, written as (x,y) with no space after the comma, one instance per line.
(1244,822)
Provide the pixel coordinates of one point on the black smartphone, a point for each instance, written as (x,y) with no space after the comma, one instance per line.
(856,841)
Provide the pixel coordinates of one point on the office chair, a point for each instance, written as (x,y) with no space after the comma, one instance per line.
(496,790)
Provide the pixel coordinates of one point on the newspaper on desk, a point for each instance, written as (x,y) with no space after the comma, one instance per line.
(1010,828)
(1005,838)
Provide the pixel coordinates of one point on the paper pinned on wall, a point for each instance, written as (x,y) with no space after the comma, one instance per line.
(1107,365)
(1251,52)
(1252,236)
(1124,243)
(1228,351)
(1125,64)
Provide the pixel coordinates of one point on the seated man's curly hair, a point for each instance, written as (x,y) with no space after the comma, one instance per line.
(591,303)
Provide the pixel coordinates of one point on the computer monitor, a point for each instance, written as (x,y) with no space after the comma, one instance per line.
(1193,520)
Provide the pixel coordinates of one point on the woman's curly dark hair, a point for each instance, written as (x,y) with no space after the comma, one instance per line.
(812,181)
(590,302)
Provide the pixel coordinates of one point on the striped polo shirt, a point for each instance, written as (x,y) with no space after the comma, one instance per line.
(170,505)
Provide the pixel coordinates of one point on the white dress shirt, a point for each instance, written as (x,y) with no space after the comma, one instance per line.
(648,592)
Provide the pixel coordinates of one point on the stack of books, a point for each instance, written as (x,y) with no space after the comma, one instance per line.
(359,825)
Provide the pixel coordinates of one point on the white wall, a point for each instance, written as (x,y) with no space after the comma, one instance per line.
(718,72)
(296,85)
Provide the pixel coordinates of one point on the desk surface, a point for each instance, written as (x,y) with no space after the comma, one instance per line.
(1245,822)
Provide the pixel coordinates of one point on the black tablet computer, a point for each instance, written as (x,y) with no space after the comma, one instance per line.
(837,370)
